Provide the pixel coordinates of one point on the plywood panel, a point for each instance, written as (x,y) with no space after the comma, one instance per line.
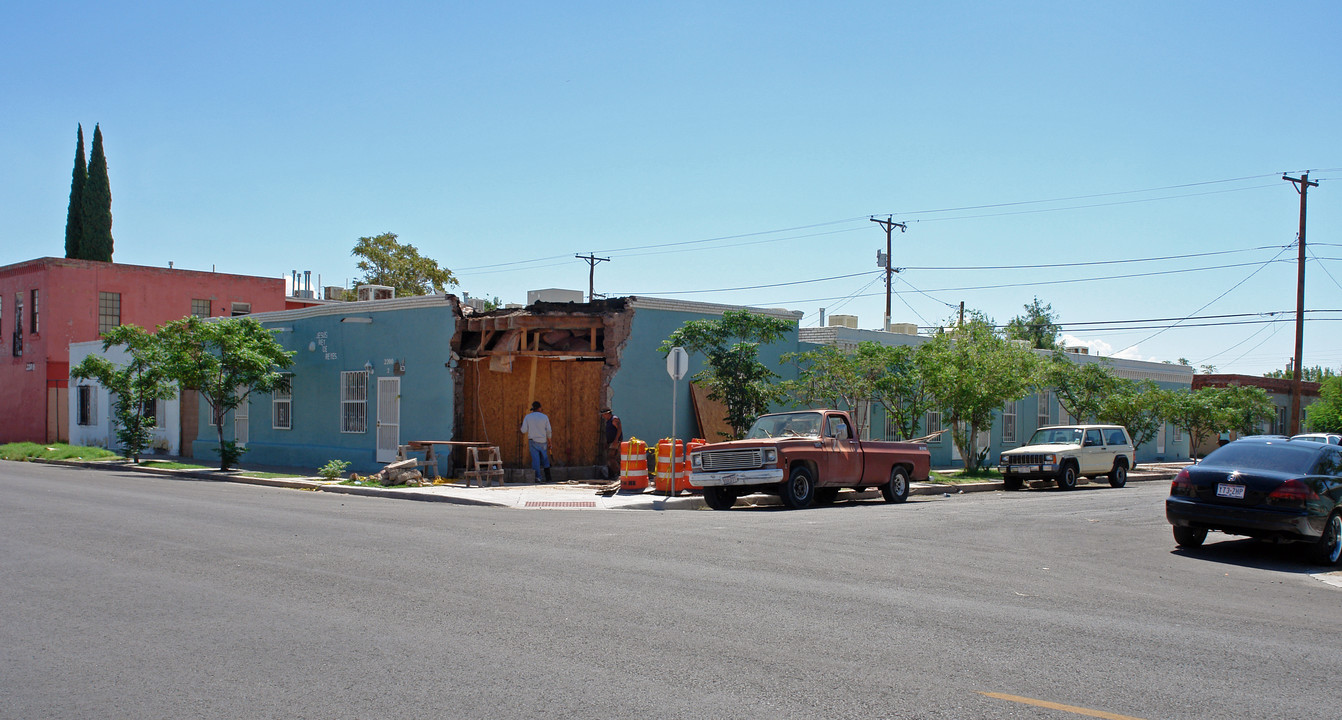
(569,393)
(711,415)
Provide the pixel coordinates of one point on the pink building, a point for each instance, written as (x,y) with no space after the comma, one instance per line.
(48,303)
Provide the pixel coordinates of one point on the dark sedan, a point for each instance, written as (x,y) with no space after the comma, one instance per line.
(1267,488)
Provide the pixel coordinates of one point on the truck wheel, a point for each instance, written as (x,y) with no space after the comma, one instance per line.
(719,498)
(798,491)
(1189,537)
(1118,477)
(897,490)
(1067,478)
(826,495)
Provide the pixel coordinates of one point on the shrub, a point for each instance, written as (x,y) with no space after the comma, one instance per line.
(333,469)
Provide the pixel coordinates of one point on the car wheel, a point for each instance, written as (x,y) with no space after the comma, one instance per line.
(1067,478)
(799,490)
(1012,483)
(1118,477)
(1328,549)
(1189,537)
(897,489)
(719,498)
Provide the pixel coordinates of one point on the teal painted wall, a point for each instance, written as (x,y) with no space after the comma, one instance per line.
(420,337)
(641,390)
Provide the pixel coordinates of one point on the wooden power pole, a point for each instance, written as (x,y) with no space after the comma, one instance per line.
(592,260)
(889,224)
(1302,185)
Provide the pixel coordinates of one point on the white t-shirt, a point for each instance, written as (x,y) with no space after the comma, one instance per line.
(536,426)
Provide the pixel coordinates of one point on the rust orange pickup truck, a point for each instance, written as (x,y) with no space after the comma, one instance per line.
(805,457)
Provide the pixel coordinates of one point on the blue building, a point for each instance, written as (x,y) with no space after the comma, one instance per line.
(366,376)
(1015,422)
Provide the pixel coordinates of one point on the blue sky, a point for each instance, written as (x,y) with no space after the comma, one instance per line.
(706,147)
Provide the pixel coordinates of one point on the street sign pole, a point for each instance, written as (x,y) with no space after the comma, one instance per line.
(677,363)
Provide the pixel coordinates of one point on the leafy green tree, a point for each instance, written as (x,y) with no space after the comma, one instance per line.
(96,204)
(1038,326)
(1138,405)
(733,374)
(1317,373)
(225,361)
(1325,414)
(828,377)
(973,371)
(1080,388)
(74,216)
(899,385)
(1196,413)
(385,261)
(1244,408)
(141,381)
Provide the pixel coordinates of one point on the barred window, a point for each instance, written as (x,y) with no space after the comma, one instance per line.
(354,402)
(32,314)
(200,308)
(934,424)
(1045,409)
(281,404)
(109,311)
(88,405)
(1009,422)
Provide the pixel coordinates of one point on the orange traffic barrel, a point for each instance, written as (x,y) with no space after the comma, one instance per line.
(633,464)
(663,482)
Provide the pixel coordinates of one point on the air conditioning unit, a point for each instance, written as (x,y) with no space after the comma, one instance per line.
(376,292)
(333,292)
(554,295)
(902,328)
(848,321)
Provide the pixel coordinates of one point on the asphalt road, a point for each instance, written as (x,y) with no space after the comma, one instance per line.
(130,596)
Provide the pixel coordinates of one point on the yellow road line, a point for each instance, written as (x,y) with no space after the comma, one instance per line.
(1058,706)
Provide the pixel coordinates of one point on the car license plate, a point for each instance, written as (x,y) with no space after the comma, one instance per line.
(1227,490)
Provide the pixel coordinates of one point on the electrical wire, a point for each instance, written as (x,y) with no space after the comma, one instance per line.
(1218,297)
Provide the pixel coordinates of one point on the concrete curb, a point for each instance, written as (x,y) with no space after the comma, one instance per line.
(517,498)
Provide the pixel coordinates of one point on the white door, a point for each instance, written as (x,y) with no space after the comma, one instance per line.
(241,427)
(1160,442)
(388,418)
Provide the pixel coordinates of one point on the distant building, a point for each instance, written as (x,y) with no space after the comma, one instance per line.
(1278,391)
(48,303)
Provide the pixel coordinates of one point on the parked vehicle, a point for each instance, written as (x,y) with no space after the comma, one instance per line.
(1275,490)
(805,457)
(1066,452)
(1329,438)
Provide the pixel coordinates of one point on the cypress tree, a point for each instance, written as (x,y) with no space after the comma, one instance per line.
(97,206)
(74,225)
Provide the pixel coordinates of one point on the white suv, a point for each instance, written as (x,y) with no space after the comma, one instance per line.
(1066,452)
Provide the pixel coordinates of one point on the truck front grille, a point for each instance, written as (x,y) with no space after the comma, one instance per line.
(723,460)
(1025,459)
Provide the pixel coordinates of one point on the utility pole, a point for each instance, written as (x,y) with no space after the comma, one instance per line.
(1302,185)
(592,260)
(889,224)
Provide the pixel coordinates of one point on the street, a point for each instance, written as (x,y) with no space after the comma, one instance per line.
(133,596)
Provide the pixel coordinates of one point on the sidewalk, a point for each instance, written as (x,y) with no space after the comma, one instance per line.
(567,495)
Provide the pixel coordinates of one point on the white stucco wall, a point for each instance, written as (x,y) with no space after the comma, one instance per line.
(99,433)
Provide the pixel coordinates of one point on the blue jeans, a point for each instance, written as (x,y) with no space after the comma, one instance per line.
(540,458)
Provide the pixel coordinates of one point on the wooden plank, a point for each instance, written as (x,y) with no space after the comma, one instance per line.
(710,414)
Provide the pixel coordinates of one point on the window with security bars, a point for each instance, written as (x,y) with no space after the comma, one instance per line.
(200,308)
(1009,422)
(354,402)
(32,313)
(109,311)
(934,424)
(18,325)
(88,405)
(1045,416)
(281,404)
